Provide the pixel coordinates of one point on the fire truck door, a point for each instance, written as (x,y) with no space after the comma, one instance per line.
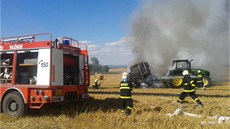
(81,64)
(43,68)
(57,67)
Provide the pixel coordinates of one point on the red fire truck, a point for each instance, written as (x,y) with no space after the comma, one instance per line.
(36,70)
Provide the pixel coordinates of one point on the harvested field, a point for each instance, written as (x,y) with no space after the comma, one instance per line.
(149,112)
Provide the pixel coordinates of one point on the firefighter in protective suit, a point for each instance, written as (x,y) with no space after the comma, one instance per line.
(189,89)
(200,79)
(125,94)
(96,84)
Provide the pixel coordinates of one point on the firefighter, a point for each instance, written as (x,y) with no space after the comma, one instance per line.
(189,89)
(125,94)
(96,84)
(200,80)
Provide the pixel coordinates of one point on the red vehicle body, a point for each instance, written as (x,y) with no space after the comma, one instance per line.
(35,72)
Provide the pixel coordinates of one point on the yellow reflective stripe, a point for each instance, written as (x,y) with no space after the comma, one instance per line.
(193,85)
(180,100)
(125,97)
(196,99)
(125,88)
(188,90)
(199,81)
(129,108)
(186,84)
(191,82)
(124,84)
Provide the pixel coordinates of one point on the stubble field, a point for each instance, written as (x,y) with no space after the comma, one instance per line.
(149,111)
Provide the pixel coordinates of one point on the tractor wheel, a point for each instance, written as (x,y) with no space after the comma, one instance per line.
(207,81)
(177,82)
(13,104)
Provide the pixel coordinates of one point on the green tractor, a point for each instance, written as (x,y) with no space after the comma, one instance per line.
(175,77)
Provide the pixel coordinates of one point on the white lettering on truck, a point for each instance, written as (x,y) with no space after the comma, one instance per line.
(14,47)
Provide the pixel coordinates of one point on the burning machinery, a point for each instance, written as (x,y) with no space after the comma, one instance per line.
(141,76)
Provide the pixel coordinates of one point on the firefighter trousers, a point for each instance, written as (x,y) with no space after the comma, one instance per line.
(127,105)
(183,95)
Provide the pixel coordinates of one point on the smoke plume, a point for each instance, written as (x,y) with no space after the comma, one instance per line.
(164,30)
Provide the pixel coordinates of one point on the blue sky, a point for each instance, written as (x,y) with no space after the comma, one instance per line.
(83,19)
(97,22)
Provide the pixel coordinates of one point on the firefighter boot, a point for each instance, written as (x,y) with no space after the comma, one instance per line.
(199,103)
(179,101)
(122,110)
(128,111)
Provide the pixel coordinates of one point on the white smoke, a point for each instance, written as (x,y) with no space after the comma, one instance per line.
(164,30)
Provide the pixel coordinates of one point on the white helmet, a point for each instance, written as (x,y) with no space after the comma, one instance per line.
(185,72)
(124,75)
(199,71)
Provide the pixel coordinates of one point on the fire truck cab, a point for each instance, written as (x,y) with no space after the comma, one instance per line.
(36,70)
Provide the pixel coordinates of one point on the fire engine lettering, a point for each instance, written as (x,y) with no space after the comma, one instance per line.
(43,64)
(14,47)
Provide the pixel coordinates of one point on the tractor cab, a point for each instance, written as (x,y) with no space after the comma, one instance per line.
(180,65)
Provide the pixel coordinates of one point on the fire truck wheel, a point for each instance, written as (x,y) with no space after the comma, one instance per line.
(13,104)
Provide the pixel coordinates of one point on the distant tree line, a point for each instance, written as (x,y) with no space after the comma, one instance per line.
(95,66)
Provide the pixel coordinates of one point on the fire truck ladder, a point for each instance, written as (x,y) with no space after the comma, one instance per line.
(23,39)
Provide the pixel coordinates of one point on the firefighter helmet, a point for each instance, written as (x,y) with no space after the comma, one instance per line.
(124,75)
(199,71)
(185,72)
